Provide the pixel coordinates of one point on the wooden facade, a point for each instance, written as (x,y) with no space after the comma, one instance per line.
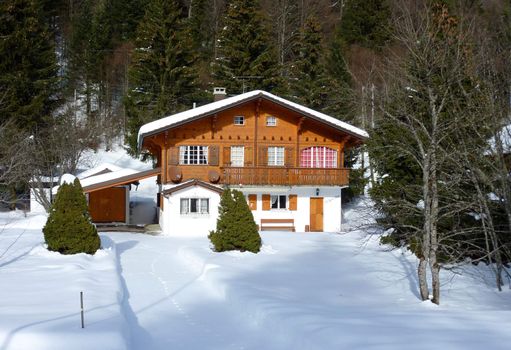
(221,131)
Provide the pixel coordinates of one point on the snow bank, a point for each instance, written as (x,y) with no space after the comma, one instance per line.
(67,179)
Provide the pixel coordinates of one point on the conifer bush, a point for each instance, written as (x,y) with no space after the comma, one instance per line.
(235,227)
(69,229)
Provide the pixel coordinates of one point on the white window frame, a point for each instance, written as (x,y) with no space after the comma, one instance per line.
(278,198)
(239,120)
(187,155)
(276,156)
(237,156)
(271,120)
(322,157)
(201,206)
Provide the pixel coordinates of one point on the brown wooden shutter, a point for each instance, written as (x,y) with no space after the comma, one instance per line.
(173,155)
(227,156)
(213,155)
(290,157)
(266,202)
(252,201)
(293,201)
(263,156)
(248,156)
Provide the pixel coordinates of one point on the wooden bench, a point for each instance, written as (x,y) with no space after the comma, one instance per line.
(278,225)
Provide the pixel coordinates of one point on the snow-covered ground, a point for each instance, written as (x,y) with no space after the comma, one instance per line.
(40,292)
(303,291)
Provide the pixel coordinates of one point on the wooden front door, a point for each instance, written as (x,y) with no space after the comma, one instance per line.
(316,214)
(108,205)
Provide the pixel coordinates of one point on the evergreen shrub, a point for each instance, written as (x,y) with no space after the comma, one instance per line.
(235,227)
(69,229)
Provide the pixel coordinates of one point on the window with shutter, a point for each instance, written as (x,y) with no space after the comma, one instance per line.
(237,156)
(276,156)
(193,155)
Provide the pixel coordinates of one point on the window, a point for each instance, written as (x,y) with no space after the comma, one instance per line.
(271,121)
(194,206)
(318,157)
(193,155)
(278,201)
(276,156)
(237,156)
(239,120)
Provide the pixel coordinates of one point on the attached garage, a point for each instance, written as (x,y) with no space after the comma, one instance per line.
(109,204)
(108,194)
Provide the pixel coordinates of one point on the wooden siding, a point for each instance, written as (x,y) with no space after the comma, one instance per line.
(293,132)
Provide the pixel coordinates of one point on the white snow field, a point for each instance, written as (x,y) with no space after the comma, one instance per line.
(40,292)
(303,291)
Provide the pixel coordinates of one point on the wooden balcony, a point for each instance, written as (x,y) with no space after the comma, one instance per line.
(285,176)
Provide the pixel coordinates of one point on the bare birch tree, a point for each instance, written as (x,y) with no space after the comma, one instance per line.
(421,121)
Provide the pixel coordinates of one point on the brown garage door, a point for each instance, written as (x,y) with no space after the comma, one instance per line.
(108,205)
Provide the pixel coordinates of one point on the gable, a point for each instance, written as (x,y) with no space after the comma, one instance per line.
(219,115)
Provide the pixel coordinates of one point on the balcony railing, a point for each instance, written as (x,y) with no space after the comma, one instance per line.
(284,176)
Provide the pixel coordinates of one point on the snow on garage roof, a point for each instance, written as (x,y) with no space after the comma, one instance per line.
(100,169)
(160,125)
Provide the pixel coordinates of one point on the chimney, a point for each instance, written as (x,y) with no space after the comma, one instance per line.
(218,93)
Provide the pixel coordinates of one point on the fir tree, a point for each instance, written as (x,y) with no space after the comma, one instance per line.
(90,43)
(247,60)
(69,229)
(161,74)
(28,68)
(310,84)
(236,228)
(365,23)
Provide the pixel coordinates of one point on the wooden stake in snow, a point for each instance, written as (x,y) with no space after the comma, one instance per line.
(81,309)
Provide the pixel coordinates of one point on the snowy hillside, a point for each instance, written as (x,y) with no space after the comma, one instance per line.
(303,291)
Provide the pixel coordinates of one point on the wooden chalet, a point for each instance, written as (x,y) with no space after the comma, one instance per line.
(288,159)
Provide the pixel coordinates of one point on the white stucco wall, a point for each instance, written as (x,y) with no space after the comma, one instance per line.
(332,210)
(173,223)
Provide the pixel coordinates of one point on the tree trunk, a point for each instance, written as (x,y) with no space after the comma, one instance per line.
(423,282)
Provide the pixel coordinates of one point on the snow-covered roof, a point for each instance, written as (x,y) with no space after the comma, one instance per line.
(159,125)
(102,177)
(100,169)
(92,180)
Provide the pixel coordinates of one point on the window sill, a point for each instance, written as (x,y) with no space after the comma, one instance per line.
(194,215)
